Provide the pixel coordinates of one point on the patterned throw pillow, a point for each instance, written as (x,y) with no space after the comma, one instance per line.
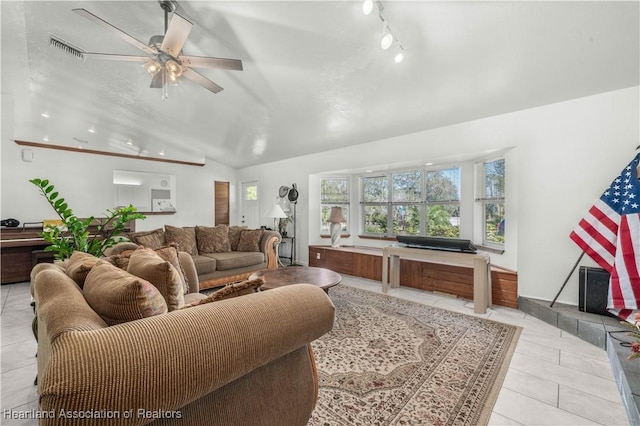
(250,240)
(234,236)
(213,239)
(118,297)
(170,254)
(146,264)
(79,266)
(231,290)
(185,238)
(150,239)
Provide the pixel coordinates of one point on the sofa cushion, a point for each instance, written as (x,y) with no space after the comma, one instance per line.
(170,254)
(150,239)
(234,236)
(118,297)
(146,264)
(235,259)
(184,237)
(212,239)
(79,266)
(231,290)
(119,260)
(204,264)
(250,240)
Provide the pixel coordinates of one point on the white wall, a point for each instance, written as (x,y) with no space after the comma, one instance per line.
(563,156)
(85,180)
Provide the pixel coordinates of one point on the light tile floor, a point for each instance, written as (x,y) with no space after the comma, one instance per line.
(554,377)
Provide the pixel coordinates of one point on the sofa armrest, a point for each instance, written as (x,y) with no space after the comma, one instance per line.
(168,361)
(186,261)
(269,246)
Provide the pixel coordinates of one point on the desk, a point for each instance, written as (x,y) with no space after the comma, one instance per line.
(480,262)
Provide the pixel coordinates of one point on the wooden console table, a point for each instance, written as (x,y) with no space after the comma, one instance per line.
(480,263)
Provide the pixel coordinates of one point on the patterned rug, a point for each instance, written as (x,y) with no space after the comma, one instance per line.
(388,361)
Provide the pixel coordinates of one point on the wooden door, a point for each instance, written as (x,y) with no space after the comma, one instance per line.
(221,203)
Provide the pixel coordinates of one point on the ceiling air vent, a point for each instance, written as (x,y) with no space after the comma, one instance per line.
(66,47)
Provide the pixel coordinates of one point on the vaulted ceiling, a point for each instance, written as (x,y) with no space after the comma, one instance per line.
(314,78)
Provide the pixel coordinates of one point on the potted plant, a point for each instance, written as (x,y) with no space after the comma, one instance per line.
(73,234)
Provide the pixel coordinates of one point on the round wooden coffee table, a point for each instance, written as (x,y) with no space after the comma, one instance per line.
(280,277)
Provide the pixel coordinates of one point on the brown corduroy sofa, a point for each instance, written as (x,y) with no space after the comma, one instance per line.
(240,361)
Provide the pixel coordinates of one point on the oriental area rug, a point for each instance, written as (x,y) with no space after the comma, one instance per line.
(389,361)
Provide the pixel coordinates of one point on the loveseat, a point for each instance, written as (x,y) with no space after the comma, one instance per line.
(239,361)
(221,254)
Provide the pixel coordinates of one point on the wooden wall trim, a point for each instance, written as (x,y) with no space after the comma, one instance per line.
(112,154)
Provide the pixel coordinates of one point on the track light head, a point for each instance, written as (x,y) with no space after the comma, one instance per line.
(387,38)
(367,7)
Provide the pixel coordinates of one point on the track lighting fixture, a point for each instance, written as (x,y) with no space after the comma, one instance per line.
(388,38)
(367,7)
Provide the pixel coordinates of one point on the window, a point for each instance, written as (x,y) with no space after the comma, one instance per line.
(492,200)
(250,192)
(443,203)
(334,191)
(413,202)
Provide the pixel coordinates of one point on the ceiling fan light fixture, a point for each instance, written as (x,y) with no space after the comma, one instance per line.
(174,69)
(152,67)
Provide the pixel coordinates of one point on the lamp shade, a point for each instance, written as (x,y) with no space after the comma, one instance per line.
(276,212)
(336,215)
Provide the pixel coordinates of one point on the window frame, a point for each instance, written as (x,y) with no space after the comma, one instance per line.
(345,226)
(390,204)
(485,199)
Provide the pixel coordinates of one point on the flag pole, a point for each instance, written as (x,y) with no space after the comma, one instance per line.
(567,279)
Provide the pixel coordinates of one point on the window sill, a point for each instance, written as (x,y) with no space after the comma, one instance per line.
(490,249)
(381,238)
(329,236)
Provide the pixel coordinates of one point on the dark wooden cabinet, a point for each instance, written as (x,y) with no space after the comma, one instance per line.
(367,263)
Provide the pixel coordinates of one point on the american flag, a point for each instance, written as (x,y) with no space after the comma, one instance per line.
(610,235)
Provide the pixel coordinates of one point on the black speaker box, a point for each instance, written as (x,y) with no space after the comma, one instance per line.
(593,290)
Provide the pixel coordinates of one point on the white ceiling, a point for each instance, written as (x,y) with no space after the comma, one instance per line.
(314,77)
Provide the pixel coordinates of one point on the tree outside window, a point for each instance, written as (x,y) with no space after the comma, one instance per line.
(443,203)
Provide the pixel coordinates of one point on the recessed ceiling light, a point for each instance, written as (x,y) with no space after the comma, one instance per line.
(92,130)
(45,115)
(129,143)
(428,164)
(368,171)
(161,153)
(46,139)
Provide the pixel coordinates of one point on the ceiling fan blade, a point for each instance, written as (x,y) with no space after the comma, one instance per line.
(157,80)
(113,57)
(201,80)
(126,37)
(209,62)
(177,33)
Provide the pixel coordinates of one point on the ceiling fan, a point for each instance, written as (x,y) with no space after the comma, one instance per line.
(164,61)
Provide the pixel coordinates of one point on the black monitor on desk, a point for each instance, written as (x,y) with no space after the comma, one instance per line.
(438,243)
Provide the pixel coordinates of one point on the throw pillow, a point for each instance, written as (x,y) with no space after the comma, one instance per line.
(170,254)
(151,239)
(146,264)
(213,239)
(119,297)
(231,290)
(250,240)
(79,266)
(185,238)
(234,236)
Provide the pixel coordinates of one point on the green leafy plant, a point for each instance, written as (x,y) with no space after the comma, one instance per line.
(74,234)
